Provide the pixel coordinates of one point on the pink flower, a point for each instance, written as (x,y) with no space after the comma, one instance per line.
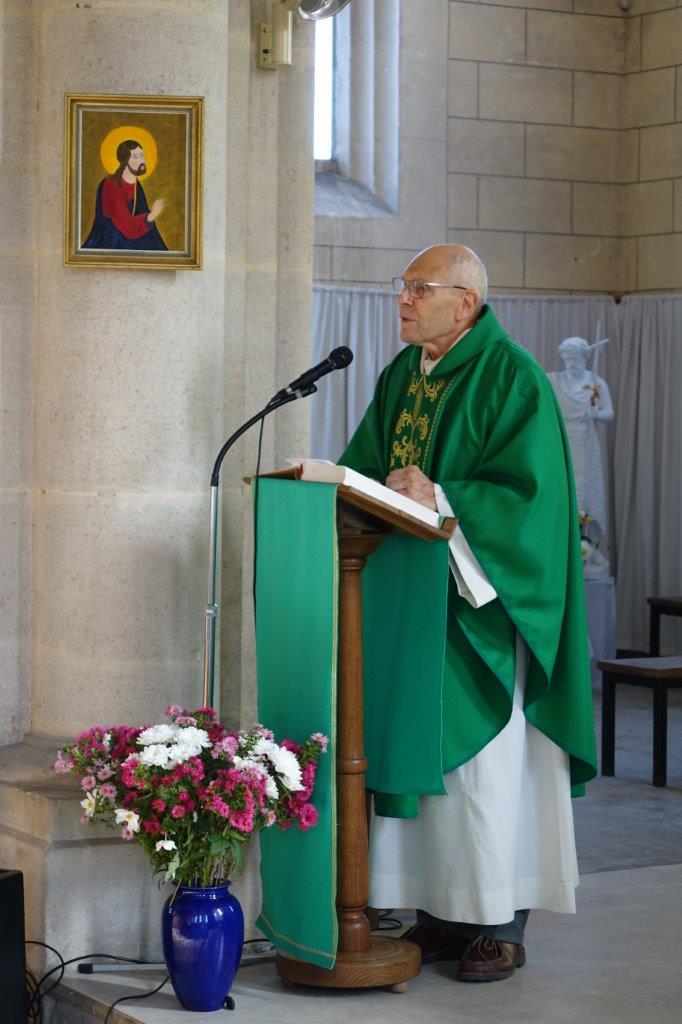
(195,769)
(108,791)
(127,833)
(270,818)
(88,782)
(321,740)
(104,773)
(64,763)
(185,720)
(173,710)
(267,734)
(242,821)
(152,826)
(178,811)
(158,804)
(208,712)
(308,775)
(307,817)
(227,745)
(217,804)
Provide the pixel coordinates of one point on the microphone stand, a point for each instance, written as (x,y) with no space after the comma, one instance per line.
(212,607)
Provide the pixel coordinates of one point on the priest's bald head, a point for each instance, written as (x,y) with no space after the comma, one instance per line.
(440,296)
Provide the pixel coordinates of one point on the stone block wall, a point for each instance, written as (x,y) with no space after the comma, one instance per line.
(562,146)
(653,113)
(537,154)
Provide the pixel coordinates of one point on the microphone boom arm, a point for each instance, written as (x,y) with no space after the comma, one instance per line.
(212,607)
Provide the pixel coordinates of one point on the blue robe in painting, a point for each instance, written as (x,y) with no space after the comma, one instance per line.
(105,235)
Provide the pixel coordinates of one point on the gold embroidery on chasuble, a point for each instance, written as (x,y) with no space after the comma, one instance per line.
(414,427)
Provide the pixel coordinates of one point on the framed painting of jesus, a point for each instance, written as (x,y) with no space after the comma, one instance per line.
(133,181)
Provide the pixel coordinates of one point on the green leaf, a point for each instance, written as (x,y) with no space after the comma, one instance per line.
(218,845)
(173,866)
(238,856)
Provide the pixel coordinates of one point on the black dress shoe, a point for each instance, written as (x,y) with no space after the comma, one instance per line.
(435,944)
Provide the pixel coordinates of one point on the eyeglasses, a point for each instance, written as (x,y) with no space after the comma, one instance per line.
(418,289)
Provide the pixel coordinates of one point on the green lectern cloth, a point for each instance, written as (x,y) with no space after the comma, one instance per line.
(405,588)
(296,641)
(405,585)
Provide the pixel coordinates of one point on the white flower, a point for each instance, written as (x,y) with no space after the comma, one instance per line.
(89,803)
(180,752)
(168,745)
(106,741)
(271,790)
(130,819)
(284,762)
(165,844)
(264,746)
(196,737)
(248,764)
(157,734)
(156,754)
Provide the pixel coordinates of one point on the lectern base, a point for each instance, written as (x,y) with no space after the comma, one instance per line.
(388,962)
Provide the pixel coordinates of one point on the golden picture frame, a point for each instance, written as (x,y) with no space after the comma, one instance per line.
(133,181)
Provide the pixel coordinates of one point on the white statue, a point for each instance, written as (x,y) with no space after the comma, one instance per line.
(584,399)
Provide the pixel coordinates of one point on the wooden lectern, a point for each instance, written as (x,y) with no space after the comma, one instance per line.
(363,960)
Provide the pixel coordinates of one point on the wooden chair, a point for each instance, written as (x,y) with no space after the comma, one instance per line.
(661,675)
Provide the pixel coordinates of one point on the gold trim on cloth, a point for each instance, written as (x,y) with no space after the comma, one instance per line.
(415,424)
(298,945)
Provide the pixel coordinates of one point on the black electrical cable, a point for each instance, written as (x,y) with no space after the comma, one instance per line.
(388,923)
(35,1003)
(35,995)
(34,1010)
(137,996)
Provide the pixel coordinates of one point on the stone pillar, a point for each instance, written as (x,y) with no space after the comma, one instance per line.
(18,200)
(140,376)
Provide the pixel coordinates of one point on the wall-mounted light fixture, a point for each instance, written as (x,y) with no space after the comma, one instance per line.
(276,34)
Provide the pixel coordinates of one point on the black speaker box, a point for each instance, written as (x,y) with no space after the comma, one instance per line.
(12,948)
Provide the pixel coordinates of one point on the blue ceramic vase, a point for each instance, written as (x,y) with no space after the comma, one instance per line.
(203,936)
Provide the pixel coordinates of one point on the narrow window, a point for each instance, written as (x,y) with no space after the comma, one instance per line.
(324,89)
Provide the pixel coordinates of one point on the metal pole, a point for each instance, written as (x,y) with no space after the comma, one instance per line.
(211,606)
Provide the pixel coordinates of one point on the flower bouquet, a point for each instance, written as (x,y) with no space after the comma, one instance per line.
(192,793)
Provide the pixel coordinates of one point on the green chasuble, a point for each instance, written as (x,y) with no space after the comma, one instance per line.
(486,426)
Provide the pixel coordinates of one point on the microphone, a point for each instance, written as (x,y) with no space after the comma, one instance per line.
(337,359)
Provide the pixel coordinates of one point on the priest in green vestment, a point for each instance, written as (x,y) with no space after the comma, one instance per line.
(465,421)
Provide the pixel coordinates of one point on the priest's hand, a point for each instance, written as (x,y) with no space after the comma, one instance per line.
(413,484)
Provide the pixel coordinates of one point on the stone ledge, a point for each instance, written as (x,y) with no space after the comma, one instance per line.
(85,999)
(38,803)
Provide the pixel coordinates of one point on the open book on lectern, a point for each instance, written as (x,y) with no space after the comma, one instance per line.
(323,471)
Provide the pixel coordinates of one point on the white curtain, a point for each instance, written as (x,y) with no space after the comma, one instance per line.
(643,446)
